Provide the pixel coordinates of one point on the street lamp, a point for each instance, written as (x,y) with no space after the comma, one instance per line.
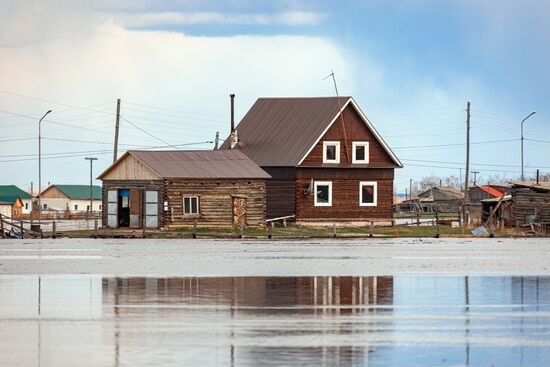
(522,121)
(40,166)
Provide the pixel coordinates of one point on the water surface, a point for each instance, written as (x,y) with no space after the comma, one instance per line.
(274,321)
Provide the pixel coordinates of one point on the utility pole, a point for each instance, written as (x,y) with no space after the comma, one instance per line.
(115,153)
(475,173)
(464,213)
(410,188)
(91,159)
(522,121)
(40,165)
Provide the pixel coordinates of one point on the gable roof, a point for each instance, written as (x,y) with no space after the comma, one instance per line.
(11,190)
(11,199)
(446,191)
(78,191)
(543,186)
(282,131)
(196,164)
(493,191)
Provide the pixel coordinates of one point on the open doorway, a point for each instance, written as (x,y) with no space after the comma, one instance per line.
(124,208)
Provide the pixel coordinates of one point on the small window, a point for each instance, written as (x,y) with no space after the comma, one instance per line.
(26,206)
(87,207)
(323,193)
(45,206)
(76,207)
(360,152)
(191,205)
(100,207)
(368,193)
(331,152)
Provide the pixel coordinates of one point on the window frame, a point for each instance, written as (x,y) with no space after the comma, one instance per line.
(374,184)
(322,183)
(191,197)
(354,145)
(330,143)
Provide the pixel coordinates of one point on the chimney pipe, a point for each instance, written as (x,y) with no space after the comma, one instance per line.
(232,111)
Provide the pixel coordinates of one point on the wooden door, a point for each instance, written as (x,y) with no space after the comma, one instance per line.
(239,211)
(136,205)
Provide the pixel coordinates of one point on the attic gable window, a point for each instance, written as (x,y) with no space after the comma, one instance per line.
(368,193)
(323,193)
(331,152)
(191,205)
(360,152)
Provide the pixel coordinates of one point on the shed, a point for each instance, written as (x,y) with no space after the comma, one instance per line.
(173,189)
(530,202)
(12,191)
(442,198)
(11,206)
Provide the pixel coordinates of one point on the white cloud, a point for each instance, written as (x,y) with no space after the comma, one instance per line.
(152,19)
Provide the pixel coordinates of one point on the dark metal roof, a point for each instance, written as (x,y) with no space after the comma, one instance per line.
(200,164)
(281,131)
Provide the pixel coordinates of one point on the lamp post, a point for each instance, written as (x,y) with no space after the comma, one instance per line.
(91,159)
(522,121)
(40,166)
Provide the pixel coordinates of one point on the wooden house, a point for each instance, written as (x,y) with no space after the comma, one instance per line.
(14,191)
(530,202)
(11,206)
(478,193)
(170,189)
(327,162)
(71,198)
(441,198)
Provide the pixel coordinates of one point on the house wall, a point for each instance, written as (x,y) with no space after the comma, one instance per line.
(476,194)
(149,185)
(526,201)
(345,195)
(60,203)
(356,130)
(83,204)
(27,206)
(5,209)
(215,202)
(280,192)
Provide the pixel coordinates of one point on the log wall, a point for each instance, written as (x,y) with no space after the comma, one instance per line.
(526,201)
(215,202)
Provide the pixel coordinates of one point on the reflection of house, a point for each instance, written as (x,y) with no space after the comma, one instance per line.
(530,202)
(72,198)
(8,192)
(152,189)
(326,165)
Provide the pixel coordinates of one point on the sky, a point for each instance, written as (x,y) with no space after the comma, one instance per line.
(411,65)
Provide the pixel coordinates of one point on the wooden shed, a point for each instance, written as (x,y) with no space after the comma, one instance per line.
(530,202)
(171,189)
(11,206)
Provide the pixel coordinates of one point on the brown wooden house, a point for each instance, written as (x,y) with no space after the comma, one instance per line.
(327,161)
(170,189)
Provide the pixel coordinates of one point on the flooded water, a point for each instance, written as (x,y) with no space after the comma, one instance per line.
(274,321)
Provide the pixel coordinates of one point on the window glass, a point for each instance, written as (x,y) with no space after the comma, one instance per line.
(360,153)
(125,202)
(331,153)
(191,205)
(367,194)
(323,193)
(194,205)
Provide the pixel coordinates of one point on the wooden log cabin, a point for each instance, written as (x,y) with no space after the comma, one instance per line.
(530,202)
(327,162)
(171,189)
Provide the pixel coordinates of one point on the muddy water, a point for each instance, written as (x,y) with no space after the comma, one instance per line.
(275,321)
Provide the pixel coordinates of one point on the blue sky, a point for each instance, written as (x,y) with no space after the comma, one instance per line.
(411,66)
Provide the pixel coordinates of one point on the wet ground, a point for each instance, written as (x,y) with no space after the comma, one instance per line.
(275,321)
(411,317)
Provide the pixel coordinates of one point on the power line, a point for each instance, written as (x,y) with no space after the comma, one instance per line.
(456,144)
(172,110)
(146,132)
(461,163)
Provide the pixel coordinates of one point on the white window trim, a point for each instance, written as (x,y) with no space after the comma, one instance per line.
(198,205)
(322,183)
(368,183)
(325,145)
(367,155)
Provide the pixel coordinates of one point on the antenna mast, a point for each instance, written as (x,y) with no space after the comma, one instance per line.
(341,114)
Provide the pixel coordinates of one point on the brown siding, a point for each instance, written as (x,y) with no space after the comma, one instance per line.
(215,202)
(356,130)
(280,192)
(345,201)
(526,201)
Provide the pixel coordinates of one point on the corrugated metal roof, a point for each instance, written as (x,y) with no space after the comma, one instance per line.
(11,190)
(492,191)
(534,185)
(12,199)
(200,164)
(79,191)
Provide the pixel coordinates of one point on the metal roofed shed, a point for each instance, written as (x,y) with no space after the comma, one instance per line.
(170,189)
(531,203)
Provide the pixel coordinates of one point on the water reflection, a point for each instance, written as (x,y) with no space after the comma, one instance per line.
(275,321)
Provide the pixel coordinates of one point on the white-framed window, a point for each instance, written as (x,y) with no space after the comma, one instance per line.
(360,153)
(323,193)
(368,193)
(331,152)
(191,205)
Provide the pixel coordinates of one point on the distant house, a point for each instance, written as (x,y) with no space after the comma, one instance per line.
(71,198)
(441,198)
(12,191)
(170,189)
(478,193)
(11,206)
(530,202)
(326,160)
